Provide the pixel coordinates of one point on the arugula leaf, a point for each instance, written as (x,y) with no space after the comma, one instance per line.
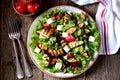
(59,60)
(94,45)
(78,33)
(39,56)
(77,16)
(43,40)
(54,24)
(92,27)
(77,49)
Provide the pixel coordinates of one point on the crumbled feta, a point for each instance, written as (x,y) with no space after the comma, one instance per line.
(41,36)
(58,65)
(50,20)
(64,34)
(66,48)
(91,38)
(86,48)
(86,23)
(69,12)
(37,50)
(59,27)
(52,39)
(65,57)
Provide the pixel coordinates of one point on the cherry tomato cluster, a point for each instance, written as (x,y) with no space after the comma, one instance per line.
(26,6)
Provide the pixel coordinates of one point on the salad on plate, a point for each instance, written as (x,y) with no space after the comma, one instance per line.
(64,41)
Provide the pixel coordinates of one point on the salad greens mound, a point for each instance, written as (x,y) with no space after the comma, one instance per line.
(64,41)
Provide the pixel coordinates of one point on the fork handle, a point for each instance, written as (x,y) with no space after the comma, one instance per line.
(28,70)
(20,73)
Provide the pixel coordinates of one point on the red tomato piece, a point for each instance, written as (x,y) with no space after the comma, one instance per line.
(75,64)
(53,61)
(70,56)
(46,25)
(21,8)
(73,68)
(58,17)
(32,7)
(70,38)
(37,43)
(53,29)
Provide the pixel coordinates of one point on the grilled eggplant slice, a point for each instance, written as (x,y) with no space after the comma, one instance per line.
(67,17)
(84,53)
(72,60)
(82,15)
(71,30)
(86,31)
(43,47)
(56,53)
(45,32)
(46,59)
(75,44)
(80,24)
(63,43)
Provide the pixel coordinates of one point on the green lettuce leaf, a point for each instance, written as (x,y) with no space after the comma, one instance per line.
(69,25)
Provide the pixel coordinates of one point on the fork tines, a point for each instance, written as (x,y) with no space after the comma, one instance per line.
(13,25)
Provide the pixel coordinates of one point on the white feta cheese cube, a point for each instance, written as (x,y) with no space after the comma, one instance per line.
(59,27)
(37,50)
(50,20)
(64,34)
(86,47)
(58,65)
(86,23)
(91,38)
(66,48)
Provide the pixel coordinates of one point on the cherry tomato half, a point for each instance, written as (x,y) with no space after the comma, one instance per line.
(32,7)
(54,60)
(70,38)
(53,30)
(70,56)
(46,25)
(21,8)
(58,17)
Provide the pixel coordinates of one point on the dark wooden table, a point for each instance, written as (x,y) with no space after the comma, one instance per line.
(105,68)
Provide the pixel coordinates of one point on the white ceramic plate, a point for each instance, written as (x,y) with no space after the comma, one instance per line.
(60,75)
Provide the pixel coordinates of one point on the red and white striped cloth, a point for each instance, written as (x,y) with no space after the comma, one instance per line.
(108,22)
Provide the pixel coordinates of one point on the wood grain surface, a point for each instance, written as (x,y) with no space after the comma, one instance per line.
(105,68)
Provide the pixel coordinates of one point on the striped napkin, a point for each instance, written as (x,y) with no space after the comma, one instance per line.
(108,22)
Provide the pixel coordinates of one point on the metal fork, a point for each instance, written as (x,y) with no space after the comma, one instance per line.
(14,33)
(20,73)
